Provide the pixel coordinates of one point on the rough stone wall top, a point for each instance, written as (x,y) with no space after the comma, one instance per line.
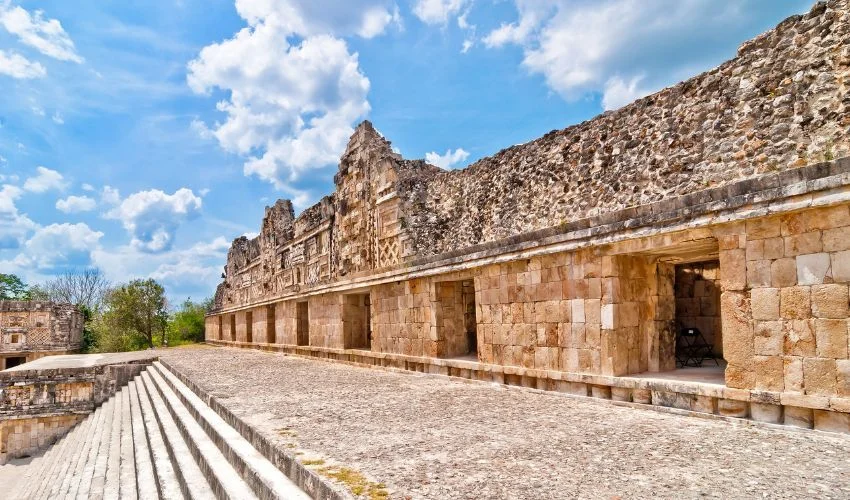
(781,103)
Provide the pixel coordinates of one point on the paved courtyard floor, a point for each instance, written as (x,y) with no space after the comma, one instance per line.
(432,437)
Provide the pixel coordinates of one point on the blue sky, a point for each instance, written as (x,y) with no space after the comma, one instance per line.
(142,136)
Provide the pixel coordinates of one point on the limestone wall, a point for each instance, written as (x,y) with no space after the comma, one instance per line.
(785,302)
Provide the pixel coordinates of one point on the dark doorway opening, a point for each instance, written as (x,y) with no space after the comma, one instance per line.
(456,321)
(15,361)
(232,327)
(271,325)
(699,337)
(357,321)
(302,319)
(249,327)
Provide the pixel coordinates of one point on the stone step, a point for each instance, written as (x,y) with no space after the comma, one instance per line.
(71,481)
(154,439)
(220,474)
(255,469)
(192,479)
(166,478)
(127,466)
(145,478)
(96,461)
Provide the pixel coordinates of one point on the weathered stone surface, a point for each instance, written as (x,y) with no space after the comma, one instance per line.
(32,329)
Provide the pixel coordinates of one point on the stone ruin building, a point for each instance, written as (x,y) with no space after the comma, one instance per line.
(577,261)
(31,330)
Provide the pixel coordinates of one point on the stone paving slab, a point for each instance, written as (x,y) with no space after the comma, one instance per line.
(432,437)
(64,361)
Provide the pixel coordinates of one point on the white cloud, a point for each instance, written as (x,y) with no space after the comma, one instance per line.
(87,187)
(438,11)
(57,118)
(448,160)
(152,217)
(59,247)
(618,92)
(306,18)
(14,226)
(45,180)
(110,195)
(37,110)
(194,270)
(18,66)
(467,44)
(201,129)
(45,35)
(611,47)
(3,159)
(291,108)
(76,204)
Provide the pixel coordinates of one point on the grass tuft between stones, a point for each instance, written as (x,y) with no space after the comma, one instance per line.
(356,482)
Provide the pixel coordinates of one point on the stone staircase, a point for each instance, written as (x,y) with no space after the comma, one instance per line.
(154,438)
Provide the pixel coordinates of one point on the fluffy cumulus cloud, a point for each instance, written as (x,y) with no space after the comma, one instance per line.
(45,35)
(152,217)
(295,90)
(439,11)
(59,247)
(612,47)
(448,160)
(18,66)
(14,226)
(76,204)
(45,180)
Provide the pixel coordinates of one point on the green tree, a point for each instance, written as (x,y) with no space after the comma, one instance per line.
(135,313)
(187,323)
(12,288)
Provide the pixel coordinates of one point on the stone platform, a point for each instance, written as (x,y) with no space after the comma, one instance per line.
(426,436)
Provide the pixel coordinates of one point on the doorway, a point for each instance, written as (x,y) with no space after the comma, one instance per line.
(271,326)
(249,327)
(357,321)
(302,313)
(456,322)
(15,361)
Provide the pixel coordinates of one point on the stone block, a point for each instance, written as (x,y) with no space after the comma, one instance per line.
(769,338)
(592,311)
(793,374)
(600,391)
(819,376)
(802,244)
(798,417)
(740,376)
(831,421)
(769,373)
(813,268)
(608,312)
(795,302)
(755,250)
(733,269)
(765,303)
(841,267)
(642,396)
(758,273)
(831,338)
(836,240)
(704,404)
(842,382)
(783,272)
(732,408)
(830,301)
(774,248)
(621,394)
(762,412)
(800,338)
(738,344)
(763,228)
(577,310)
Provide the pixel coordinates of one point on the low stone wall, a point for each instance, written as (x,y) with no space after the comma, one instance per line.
(37,407)
(830,414)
